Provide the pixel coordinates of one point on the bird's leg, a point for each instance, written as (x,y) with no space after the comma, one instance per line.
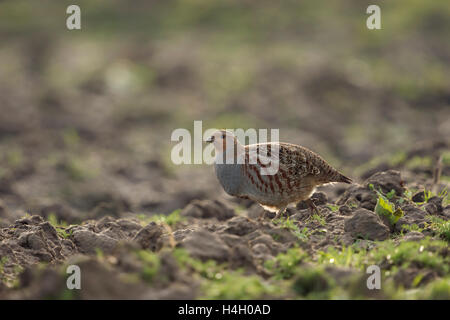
(263,216)
(312,207)
(279,213)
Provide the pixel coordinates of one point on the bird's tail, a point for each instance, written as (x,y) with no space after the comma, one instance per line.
(341,178)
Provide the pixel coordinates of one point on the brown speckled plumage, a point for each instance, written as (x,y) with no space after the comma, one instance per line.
(300,171)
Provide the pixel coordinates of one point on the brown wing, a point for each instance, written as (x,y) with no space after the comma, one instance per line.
(303,162)
(298,167)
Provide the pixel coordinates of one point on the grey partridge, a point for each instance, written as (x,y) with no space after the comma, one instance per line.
(299,171)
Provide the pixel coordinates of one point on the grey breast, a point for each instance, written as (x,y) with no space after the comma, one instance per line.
(230,177)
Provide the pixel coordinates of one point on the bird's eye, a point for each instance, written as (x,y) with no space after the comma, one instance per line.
(223,136)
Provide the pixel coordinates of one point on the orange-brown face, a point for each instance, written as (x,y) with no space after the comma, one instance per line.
(222,140)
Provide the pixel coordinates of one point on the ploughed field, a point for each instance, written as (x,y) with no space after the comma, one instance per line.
(395,218)
(86,176)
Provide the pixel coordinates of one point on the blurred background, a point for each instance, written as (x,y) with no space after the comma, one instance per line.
(86,115)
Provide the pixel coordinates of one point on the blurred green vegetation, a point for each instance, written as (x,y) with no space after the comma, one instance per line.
(297,65)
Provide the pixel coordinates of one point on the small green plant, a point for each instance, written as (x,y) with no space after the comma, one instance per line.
(285,264)
(445,198)
(290,225)
(417,279)
(303,234)
(63,233)
(276,236)
(333,207)
(317,218)
(385,208)
(425,253)
(443,193)
(209,269)
(170,219)
(55,222)
(10,280)
(99,254)
(347,257)
(427,195)
(60,226)
(436,290)
(352,204)
(411,227)
(218,283)
(235,285)
(313,283)
(151,264)
(440,226)
(408,194)
(390,194)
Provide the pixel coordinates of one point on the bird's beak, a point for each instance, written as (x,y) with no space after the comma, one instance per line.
(210,139)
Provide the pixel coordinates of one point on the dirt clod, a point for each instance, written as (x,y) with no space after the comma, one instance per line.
(365,224)
(149,237)
(205,245)
(205,209)
(89,242)
(387,181)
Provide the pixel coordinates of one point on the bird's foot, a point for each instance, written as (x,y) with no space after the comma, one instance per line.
(312,207)
(279,214)
(262,217)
